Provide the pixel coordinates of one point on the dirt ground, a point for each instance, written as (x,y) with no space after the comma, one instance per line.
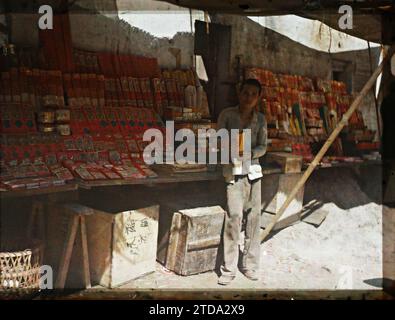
(344,252)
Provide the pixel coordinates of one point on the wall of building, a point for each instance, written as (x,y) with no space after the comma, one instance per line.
(361,72)
(268,49)
(265,48)
(104,33)
(312,33)
(96,28)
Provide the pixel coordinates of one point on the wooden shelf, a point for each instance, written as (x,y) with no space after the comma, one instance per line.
(165,175)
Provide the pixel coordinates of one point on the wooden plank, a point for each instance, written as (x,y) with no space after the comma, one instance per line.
(173,241)
(204,243)
(33,219)
(67,251)
(389,192)
(162,178)
(275,189)
(100,230)
(79,209)
(85,254)
(36,221)
(290,163)
(214,293)
(316,218)
(38,191)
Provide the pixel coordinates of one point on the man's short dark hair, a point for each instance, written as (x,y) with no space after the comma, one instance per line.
(251,82)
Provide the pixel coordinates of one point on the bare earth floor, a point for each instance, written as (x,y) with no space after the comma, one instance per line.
(343,253)
(303,257)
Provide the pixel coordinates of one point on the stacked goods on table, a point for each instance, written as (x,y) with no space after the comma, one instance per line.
(109,140)
(95,100)
(33,111)
(29,161)
(32,86)
(94,90)
(84,89)
(184,98)
(100,158)
(301,113)
(40,92)
(26,57)
(282,107)
(77,114)
(17,118)
(175,83)
(62,121)
(106,120)
(33,160)
(186,105)
(356,132)
(86,62)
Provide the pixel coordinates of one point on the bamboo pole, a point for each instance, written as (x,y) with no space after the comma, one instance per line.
(328,143)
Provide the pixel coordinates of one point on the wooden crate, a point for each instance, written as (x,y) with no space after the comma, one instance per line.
(117,254)
(193,240)
(289,163)
(122,246)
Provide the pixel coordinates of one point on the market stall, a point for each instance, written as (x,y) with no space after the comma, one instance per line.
(73,121)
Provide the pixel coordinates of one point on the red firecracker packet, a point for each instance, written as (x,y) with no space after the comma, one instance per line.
(83,173)
(97,174)
(61,172)
(110,174)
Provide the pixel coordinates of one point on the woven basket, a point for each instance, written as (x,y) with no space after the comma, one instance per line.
(20,265)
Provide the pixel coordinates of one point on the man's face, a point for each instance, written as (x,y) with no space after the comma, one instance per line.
(248,97)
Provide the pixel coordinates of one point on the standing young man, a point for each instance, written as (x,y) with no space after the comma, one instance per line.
(243,186)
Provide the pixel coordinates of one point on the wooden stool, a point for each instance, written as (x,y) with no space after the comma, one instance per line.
(78,213)
(36,224)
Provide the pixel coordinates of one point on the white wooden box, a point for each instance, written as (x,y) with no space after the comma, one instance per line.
(122,246)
